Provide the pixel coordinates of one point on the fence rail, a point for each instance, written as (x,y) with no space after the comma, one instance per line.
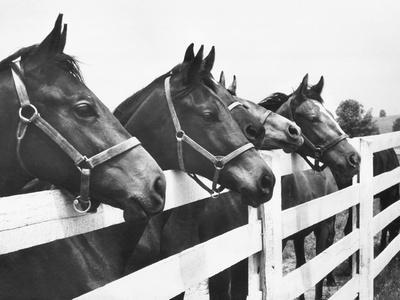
(46,216)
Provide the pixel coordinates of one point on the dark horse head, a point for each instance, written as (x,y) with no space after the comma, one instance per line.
(205,118)
(251,126)
(324,139)
(280,132)
(68,126)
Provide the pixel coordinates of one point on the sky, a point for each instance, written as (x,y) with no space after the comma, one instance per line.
(269,45)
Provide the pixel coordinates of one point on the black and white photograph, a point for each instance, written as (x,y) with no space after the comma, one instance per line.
(199,150)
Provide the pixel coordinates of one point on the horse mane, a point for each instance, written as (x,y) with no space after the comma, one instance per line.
(125,110)
(274,101)
(66,62)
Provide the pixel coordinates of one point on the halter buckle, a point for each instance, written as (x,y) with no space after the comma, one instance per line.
(180,135)
(28,113)
(77,204)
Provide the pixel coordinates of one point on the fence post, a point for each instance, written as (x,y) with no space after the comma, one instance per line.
(254,267)
(271,258)
(366,218)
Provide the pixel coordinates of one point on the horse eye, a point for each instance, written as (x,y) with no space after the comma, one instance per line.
(209,116)
(84,110)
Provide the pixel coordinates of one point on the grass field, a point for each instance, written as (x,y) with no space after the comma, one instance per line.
(386,285)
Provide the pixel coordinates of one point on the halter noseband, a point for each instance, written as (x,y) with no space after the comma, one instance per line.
(318,150)
(28,114)
(218,162)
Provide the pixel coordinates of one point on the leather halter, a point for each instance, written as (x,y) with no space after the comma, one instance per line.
(218,162)
(318,150)
(28,114)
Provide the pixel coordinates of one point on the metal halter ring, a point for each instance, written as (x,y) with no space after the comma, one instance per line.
(83,163)
(215,194)
(318,152)
(219,165)
(179,135)
(31,110)
(76,204)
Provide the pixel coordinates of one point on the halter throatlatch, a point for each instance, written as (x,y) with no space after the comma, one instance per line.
(218,162)
(317,150)
(28,114)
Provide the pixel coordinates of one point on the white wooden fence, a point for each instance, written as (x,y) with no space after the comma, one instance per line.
(37,218)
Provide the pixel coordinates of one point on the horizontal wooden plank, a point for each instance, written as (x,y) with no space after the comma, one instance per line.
(312,212)
(48,231)
(386,216)
(181,271)
(306,276)
(385,180)
(181,189)
(28,209)
(349,291)
(385,256)
(21,210)
(285,161)
(42,217)
(383,141)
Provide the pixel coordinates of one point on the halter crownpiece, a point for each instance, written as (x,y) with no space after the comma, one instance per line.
(28,114)
(218,162)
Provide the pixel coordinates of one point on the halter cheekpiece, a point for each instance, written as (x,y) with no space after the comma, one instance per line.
(218,162)
(28,114)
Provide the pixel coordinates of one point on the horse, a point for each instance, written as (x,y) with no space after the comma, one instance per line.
(93,259)
(325,230)
(149,247)
(52,127)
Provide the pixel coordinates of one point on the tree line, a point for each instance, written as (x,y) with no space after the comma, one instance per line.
(355,120)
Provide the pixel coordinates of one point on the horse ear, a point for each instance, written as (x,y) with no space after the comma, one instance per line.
(232,88)
(51,44)
(302,89)
(222,79)
(195,66)
(63,39)
(189,54)
(208,62)
(319,86)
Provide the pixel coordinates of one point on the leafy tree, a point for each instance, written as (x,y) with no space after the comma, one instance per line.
(382,113)
(396,125)
(354,120)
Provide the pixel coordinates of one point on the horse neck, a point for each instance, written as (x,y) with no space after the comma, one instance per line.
(12,177)
(152,124)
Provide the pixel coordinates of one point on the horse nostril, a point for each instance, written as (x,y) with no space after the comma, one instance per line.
(354,159)
(251,131)
(267,183)
(159,186)
(158,199)
(293,130)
